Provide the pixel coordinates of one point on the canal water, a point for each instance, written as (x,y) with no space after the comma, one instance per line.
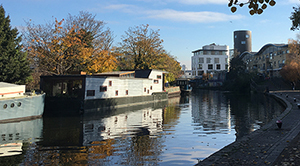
(186,130)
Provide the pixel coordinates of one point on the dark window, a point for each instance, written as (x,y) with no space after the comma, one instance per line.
(103,88)
(218,66)
(155,81)
(144,89)
(90,93)
(150,87)
(158,76)
(117,93)
(110,83)
(126,92)
(148,91)
(210,66)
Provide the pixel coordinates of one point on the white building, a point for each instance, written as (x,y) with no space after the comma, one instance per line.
(210,59)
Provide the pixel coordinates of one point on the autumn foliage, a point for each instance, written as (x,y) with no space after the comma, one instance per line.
(141,48)
(64,49)
(291,69)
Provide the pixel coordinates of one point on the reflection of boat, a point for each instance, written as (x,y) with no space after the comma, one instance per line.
(145,121)
(11,149)
(16,105)
(13,135)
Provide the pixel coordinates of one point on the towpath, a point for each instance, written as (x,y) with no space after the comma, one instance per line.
(268,145)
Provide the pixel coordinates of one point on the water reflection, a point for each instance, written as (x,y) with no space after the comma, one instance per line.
(182,132)
(15,139)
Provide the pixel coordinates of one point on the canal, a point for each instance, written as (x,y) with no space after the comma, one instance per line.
(186,130)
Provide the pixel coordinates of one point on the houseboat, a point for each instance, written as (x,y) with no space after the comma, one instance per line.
(184,84)
(77,93)
(16,105)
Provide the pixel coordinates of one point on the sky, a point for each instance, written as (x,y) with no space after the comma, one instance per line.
(184,25)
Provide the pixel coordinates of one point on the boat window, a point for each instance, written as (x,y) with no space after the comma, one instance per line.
(12,105)
(90,93)
(19,104)
(5,106)
(103,88)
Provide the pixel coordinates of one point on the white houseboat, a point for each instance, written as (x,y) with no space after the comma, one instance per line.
(16,105)
(71,93)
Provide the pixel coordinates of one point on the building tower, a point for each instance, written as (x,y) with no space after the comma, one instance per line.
(242,41)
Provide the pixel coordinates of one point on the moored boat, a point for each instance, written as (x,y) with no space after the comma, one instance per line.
(16,105)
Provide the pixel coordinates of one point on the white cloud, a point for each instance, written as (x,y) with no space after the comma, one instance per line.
(123,8)
(294,1)
(197,2)
(192,17)
(174,15)
(189,2)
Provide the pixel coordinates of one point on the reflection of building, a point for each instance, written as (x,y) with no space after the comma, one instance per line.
(145,121)
(210,112)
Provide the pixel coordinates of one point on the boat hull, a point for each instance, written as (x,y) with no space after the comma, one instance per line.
(21,108)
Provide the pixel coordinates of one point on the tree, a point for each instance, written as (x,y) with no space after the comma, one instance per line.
(168,63)
(291,70)
(14,66)
(237,79)
(141,48)
(78,43)
(255,6)
(295,17)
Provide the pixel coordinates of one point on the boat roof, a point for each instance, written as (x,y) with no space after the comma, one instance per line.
(7,85)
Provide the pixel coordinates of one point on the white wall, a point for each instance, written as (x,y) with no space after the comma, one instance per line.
(135,86)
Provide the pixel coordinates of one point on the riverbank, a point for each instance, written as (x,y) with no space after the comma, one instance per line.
(268,145)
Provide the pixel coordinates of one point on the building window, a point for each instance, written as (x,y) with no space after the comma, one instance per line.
(210,66)
(243,42)
(217,60)
(226,66)
(117,93)
(208,60)
(158,76)
(218,66)
(155,81)
(247,36)
(144,89)
(126,93)
(200,66)
(201,60)
(150,87)
(103,88)
(110,83)
(200,73)
(90,93)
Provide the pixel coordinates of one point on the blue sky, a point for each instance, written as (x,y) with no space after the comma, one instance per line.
(185,25)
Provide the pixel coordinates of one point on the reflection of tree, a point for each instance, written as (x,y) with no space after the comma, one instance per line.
(170,116)
(69,155)
(144,150)
(250,110)
(102,149)
(239,106)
